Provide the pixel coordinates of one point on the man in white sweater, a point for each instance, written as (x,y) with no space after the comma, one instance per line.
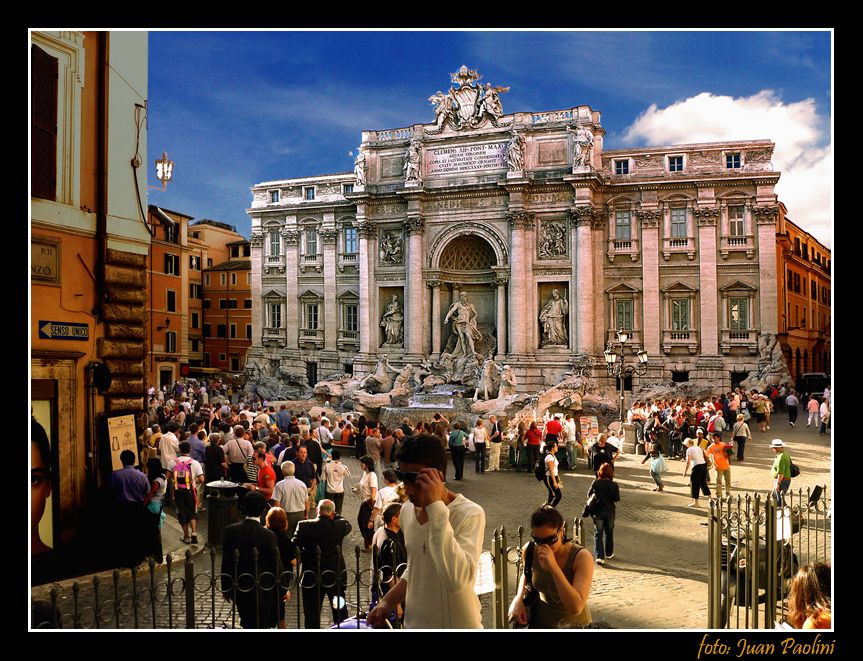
(443,535)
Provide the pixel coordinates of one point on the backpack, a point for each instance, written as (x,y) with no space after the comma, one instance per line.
(183,475)
(795,471)
(539,469)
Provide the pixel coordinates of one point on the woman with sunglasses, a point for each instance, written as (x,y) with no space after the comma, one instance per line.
(561,573)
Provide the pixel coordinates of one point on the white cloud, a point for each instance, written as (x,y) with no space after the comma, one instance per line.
(806,185)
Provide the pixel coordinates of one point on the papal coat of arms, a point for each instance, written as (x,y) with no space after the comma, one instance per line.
(467,104)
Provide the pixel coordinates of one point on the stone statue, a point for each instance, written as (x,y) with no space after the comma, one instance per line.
(393,323)
(391,251)
(444,108)
(515,153)
(488,382)
(553,319)
(360,168)
(490,103)
(381,381)
(582,146)
(507,382)
(413,162)
(401,385)
(552,240)
(463,326)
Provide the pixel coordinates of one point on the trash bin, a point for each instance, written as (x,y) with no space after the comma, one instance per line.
(222,509)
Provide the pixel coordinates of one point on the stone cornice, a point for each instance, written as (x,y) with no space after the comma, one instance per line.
(521,220)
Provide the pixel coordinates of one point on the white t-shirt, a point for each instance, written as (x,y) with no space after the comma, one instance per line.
(169,446)
(443,556)
(334,474)
(551,464)
(696,455)
(480,434)
(613,441)
(291,494)
(369,482)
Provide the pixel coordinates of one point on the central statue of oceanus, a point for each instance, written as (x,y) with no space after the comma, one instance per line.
(464,326)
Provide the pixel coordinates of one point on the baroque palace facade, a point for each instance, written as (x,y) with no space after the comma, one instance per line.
(520,234)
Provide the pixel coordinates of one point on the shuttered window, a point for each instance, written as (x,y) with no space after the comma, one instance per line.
(43,124)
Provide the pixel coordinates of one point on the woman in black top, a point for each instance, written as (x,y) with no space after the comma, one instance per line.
(608,493)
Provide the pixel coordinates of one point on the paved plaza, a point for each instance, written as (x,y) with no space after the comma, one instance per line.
(657,579)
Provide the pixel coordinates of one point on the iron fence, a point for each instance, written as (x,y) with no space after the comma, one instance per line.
(175,596)
(755,547)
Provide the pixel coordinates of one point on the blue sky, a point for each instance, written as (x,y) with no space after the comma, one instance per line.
(233,109)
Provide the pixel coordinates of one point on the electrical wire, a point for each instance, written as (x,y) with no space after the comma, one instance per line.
(140,118)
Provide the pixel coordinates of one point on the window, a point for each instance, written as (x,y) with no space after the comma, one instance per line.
(233,278)
(235,364)
(194,290)
(232,304)
(735,221)
(195,262)
(248,331)
(275,315)
(309,192)
(622,225)
(803,319)
(347,188)
(621,167)
(678,223)
(221,331)
(623,314)
(351,318)
(739,314)
(43,124)
(249,278)
(206,303)
(806,251)
(207,279)
(206,359)
(171,300)
(172,264)
(680,314)
(675,163)
(235,251)
(247,304)
(171,233)
(814,290)
(223,303)
(274,196)
(311,242)
(312,316)
(196,319)
(797,282)
(351,240)
(790,279)
(171,342)
(195,346)
(223,279)
(221,358)
(275,244)
(233,328)
(207,330)
(797,247)
(209,262)
(732,161)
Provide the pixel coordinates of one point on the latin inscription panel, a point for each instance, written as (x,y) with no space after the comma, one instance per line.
(468,158)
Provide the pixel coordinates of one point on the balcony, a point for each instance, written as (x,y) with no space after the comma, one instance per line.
(675,339)
(311,338)
(739,339)
(273,264)
(628,247)
(676,245)
(729,244)
(346,259)
(348,339)
(312,261)
(633,341)
(274,337)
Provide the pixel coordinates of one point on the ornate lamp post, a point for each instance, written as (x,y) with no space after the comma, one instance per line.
(164,170)
(614,362)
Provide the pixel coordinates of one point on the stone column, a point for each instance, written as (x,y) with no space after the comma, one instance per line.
(257,250)
(708,281)
(435,317)
(291,240)
(650,304)
(584,292)
(331,304)
(521,222)
(366,234)
(766,218)
(415,290)
(501,280)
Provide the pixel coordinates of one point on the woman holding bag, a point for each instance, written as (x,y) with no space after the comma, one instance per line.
(657,462)
(556,580)
(739,435)
(457,447)
(603,512)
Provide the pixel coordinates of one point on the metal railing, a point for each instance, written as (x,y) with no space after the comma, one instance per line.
(172,597)
(755,548)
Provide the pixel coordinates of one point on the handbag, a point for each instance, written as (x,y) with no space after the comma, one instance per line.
(530,592)
(592,504)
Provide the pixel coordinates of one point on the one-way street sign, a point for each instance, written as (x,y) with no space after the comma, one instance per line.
(63,330)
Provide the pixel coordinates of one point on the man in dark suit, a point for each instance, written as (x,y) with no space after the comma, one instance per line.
(326,532)
(254,595)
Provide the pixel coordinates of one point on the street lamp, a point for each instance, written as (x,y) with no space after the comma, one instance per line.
(164,170)
(614,362)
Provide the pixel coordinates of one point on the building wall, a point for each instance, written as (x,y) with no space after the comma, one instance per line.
(239,317)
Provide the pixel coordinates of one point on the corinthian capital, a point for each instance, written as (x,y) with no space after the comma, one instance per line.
(707,216)
(584,216)
(328,236)
(257,239)
(766,215)
(365,230)
(521,220)
(291,237)
(414,224)
(649,218)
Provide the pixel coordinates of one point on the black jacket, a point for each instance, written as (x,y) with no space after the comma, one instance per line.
(608,493)
(326,533)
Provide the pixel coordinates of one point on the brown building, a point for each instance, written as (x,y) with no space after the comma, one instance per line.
(227,306)
(804,309)
(89,248)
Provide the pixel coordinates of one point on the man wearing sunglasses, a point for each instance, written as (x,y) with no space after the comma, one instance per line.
(443,536)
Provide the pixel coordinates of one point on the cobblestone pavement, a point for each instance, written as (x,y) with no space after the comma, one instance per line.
(657,579)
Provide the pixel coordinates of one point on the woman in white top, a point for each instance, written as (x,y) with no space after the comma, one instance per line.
(552,478)
(696,458)
(368,492)
(480,436)
(385,497)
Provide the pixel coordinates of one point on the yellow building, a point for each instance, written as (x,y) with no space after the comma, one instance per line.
(89,245)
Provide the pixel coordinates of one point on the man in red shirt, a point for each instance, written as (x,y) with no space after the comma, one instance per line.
(533,443)
(553,429)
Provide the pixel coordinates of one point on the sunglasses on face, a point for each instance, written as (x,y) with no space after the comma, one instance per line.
(407,477)
(545,540)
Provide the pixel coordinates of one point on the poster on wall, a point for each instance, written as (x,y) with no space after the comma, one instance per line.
(121,434)
(589,427)
(41,478)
